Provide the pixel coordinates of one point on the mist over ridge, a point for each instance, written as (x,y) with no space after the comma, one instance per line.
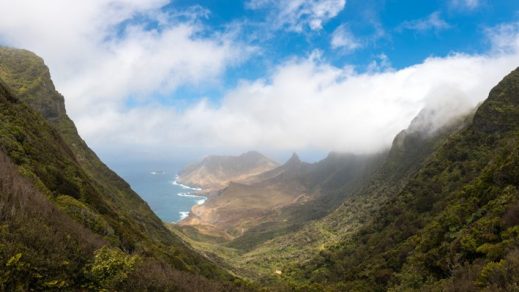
(137,76)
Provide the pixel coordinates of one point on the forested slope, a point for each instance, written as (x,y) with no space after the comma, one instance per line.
(68,220)
(454,226)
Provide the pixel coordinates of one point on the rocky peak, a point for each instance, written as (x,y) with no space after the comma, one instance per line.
(293,162)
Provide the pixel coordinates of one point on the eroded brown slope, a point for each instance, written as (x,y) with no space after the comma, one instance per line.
(278,200)
(214,173)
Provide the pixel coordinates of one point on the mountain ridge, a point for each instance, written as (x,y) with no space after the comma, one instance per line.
(276,201)
(438,211)
(451,226)
(278,248)
(215,172)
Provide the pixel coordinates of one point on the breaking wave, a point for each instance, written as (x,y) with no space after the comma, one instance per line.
(185,187)
(183,214)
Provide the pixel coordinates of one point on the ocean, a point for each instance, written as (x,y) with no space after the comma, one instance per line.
(157,185)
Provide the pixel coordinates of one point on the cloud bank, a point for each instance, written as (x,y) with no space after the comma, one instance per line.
(308,104)
(101,52)
(102,55)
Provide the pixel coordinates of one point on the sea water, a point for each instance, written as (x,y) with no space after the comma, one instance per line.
(157,185)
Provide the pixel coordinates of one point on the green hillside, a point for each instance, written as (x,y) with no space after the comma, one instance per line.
(440,213)
(454,226)
(362,183)
(115,239)
(436,212)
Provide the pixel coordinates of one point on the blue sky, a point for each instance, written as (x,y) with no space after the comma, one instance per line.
(204,77)
(385,30)
(377,26)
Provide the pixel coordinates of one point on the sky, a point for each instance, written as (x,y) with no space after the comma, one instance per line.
(180,79)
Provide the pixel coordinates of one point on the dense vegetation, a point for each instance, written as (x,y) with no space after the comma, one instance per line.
(438,212)
(41,248)
(454,226)
(285,248)
(66,219)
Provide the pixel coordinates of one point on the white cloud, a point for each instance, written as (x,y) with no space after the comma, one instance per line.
(342,38)
(308,104)
(304,103)
(465,4)
(503,38)
(99,54)
(298,15)
(431,22)
(380,63)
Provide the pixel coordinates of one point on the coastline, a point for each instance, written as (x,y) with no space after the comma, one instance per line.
(191,192)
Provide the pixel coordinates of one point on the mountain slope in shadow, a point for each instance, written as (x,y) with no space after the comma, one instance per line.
(75,203)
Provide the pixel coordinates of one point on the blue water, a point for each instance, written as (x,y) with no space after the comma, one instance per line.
(156,185)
